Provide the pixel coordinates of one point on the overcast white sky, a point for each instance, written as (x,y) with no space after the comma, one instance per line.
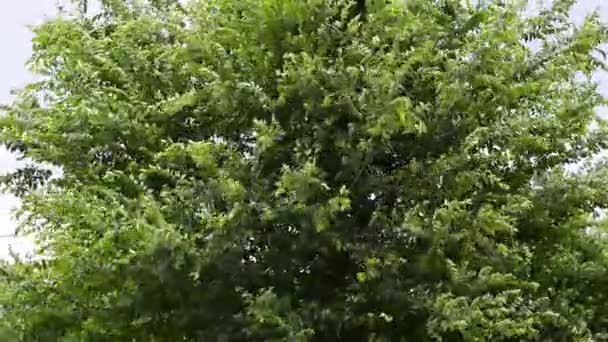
(15,38)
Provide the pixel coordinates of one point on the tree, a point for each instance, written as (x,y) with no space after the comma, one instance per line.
(311,170)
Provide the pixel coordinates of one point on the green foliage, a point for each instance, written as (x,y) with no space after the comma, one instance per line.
(317,170)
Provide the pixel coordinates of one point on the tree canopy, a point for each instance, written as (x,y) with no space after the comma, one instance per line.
(311,170)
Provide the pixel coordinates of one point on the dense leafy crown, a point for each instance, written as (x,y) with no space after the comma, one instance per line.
(290,170)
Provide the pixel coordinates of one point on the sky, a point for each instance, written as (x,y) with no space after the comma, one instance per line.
(15,37)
